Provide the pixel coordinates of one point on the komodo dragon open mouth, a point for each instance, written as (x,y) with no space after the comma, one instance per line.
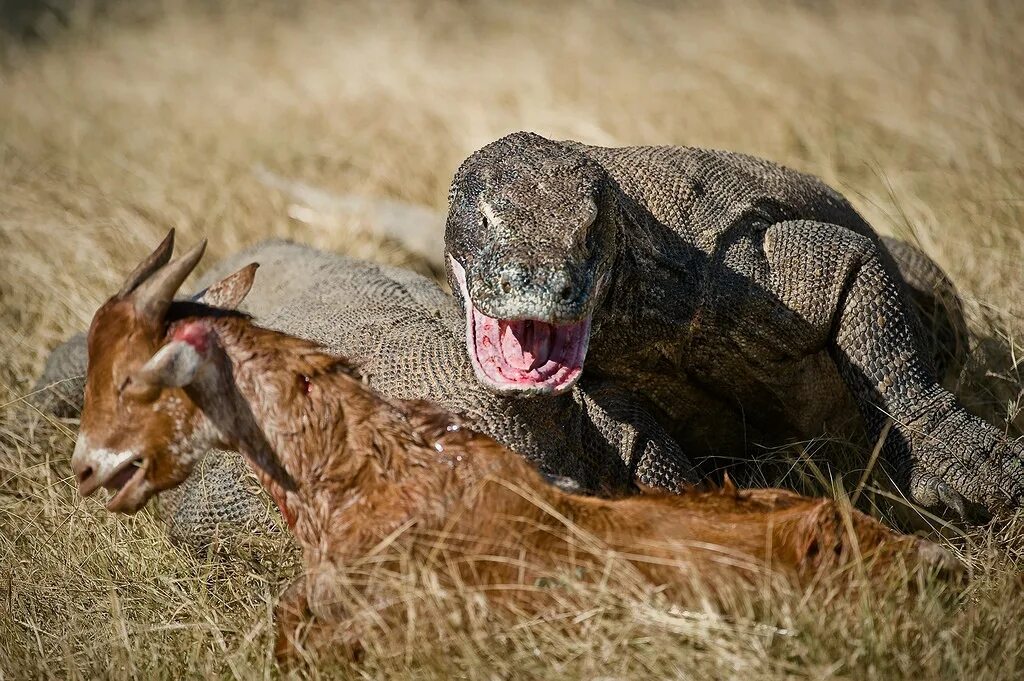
(523,355)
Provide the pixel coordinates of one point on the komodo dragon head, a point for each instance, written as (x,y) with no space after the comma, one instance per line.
(530,242)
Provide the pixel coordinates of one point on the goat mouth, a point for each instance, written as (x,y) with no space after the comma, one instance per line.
(123,481)
(526,355)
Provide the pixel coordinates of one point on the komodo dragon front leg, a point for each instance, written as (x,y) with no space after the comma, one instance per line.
(944,336)
(941,454)
(623,422)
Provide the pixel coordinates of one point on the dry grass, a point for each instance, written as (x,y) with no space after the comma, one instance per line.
(118,128)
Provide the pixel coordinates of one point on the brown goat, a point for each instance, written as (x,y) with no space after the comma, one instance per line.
(354,473)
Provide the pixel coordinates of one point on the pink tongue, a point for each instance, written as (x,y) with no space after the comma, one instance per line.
(525,345)
(527,354)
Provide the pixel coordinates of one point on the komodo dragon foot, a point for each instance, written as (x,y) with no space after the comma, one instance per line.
(959,462)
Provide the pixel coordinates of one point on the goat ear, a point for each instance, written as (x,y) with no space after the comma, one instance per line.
(229,292)
(174,366)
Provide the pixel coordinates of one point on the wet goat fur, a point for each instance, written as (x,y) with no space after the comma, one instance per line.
(358,476)
(385,465)
(369,471)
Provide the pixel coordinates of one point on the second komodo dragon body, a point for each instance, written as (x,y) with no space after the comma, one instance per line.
(743,303)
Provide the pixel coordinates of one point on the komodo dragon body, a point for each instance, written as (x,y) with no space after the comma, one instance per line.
(741,302)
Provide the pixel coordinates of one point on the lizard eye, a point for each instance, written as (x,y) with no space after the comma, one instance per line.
(488,218)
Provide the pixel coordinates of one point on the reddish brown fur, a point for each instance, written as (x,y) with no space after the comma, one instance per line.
(117,348)
(357,470)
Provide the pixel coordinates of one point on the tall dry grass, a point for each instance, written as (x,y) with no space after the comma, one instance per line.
(153,115)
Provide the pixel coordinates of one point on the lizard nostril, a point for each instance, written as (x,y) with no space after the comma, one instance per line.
(567,293)
(504,283)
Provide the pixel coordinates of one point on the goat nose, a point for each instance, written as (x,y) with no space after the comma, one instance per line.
(82,471)
(85,472)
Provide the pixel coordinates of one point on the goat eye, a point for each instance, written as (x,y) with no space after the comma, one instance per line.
(125,383)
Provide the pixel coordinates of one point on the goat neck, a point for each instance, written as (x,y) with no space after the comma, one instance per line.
(324,445)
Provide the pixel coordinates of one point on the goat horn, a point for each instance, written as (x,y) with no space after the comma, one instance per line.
(153,296)
(147,267)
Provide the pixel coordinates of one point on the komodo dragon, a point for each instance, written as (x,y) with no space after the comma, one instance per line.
(405,335)
(744,303)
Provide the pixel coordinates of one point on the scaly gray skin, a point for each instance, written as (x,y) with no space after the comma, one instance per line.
(748,303)
(406,336)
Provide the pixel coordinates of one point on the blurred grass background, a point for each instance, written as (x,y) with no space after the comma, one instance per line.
(119,120)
